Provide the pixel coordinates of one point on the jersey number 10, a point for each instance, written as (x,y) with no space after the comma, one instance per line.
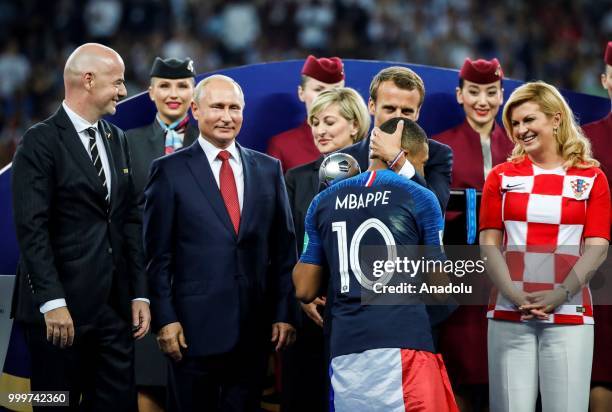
(351,254)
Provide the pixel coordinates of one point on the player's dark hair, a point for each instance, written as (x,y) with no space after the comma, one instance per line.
(413,136)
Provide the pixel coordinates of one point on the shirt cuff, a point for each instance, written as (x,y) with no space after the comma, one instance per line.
(52,304)
(142,300)
(407,170)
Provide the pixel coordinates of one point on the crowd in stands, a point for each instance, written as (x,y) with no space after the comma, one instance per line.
(559,42)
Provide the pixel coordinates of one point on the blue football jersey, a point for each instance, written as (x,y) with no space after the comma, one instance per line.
(353,223)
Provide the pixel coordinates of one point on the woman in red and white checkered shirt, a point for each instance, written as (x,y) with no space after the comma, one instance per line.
(548,210)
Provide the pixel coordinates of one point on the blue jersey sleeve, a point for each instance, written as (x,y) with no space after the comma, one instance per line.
(313,249)
(430,218)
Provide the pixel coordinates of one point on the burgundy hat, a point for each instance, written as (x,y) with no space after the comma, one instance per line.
(481,71)
(608,55)
(326,70)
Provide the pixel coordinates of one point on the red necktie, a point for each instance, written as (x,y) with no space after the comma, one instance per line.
(229,192)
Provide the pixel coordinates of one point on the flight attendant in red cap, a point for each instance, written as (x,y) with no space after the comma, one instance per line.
(478,144)
(600,135)
(296,147)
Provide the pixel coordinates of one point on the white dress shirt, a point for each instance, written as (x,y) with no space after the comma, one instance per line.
(81,125)
(235,162)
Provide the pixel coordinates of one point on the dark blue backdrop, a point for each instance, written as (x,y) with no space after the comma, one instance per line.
(271,107)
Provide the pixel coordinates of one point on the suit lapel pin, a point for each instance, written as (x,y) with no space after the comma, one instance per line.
(108,135)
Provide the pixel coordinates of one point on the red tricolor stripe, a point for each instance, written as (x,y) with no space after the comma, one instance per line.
(371,178)
(425,383)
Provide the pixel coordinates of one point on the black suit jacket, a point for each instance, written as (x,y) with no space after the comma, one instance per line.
(148,143)
(302,186)
(223,287)
(71,245)
(437,169)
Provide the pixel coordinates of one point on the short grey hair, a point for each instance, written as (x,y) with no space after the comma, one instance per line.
(197,93)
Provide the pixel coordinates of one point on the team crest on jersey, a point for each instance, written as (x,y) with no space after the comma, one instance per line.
(580,187)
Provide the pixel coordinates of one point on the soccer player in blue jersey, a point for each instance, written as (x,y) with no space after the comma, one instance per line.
(382,355)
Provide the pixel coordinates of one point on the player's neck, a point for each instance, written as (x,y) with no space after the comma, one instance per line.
(377,164)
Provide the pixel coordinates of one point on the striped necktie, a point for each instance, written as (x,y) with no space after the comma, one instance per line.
(95,158)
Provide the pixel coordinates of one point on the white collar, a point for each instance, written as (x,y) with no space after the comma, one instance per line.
(79,123)
(212,151)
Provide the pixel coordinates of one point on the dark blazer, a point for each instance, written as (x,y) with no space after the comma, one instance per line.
(437,169)
(148,143)
(302,186)
(71,245)
(222,287)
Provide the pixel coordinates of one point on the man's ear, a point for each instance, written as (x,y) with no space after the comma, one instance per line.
(88,80)
(194,110)
(371,106)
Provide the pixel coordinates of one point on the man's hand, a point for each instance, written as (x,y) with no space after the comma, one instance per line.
(171,339)
(385,146)
(283,334)
(311,310)
(60,328)
(141,318)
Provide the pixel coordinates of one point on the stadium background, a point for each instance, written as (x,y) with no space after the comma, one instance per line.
(556,41)
(559,41)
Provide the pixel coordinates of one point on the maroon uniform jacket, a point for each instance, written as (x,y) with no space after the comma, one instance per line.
(600,135)
(294,147)
(468,164)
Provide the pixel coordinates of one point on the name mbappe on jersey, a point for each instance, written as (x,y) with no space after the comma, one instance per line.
(344,223)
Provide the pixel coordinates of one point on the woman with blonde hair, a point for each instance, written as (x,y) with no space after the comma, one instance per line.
(548,210)
(338,118)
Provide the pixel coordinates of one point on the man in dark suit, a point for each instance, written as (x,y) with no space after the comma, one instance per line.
(220,248)
(399,92)
(171,89)
(80,289)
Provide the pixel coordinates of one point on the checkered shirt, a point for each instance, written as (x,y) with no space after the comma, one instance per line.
(545,216)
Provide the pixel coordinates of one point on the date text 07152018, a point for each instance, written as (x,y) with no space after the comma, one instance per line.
(35,398)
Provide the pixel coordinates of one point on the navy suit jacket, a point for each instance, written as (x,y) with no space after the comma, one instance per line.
(223,287)
(437,169)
